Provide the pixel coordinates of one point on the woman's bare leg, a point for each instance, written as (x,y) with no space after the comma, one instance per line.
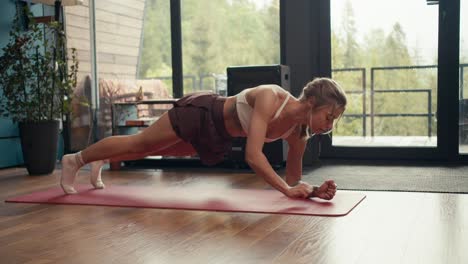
(159,135)
(181,148)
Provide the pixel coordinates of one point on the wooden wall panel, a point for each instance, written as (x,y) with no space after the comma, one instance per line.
(106,27)
(79,44)
(83,12)
(117,59)
(113,38)
(77,21)
(137,4)
(115,76)
(121,8)
(117,69)
(106,16)
(78,33)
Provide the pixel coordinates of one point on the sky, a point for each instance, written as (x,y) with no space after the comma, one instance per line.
(418,20)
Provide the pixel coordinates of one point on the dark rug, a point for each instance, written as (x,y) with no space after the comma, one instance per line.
(412,177)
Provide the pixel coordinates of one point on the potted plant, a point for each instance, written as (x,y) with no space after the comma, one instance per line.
(37,85)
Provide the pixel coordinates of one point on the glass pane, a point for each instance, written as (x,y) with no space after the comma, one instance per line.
(222,33)
(155,55)
(387,63)
(463,115)
(133,55)
(77,30)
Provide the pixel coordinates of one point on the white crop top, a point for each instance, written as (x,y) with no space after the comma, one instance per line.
(244,111)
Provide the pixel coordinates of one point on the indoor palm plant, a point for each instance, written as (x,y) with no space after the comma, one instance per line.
(37,85)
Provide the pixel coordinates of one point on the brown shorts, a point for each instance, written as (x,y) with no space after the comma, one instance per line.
(198,119)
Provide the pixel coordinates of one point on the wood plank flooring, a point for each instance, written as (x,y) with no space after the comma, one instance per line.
(387,227)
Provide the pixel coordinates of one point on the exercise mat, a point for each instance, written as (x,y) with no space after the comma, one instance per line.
(196,198)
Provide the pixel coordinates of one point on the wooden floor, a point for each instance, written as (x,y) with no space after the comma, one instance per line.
(387,227)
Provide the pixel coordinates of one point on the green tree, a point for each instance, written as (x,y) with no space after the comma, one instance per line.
(351,53)
(155,58)
(396,51)
(336,49)
(271,40)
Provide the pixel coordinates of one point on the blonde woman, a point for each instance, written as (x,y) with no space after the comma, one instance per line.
(206,123)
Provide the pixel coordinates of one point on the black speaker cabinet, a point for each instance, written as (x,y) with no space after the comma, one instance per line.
(243,77)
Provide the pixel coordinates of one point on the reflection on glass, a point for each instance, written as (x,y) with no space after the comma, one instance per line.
(222,33)
(133,56)
(77,30)
(463,115)
(387,62)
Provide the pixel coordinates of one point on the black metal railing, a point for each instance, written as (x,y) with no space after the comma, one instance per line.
(373,91)
(429,113)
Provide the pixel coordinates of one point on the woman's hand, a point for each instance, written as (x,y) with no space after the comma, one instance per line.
(301,190)
(326,191)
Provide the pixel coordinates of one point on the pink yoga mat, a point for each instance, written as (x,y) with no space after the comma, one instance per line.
(195,198)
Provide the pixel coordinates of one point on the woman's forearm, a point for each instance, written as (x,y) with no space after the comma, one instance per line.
(293,172)
(259,163)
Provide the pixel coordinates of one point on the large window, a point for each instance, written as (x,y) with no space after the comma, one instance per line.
(386,60)
(222,33)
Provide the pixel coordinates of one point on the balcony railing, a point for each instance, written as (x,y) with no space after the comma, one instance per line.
(429,115)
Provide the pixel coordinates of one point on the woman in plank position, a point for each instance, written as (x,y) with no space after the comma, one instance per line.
(205,124)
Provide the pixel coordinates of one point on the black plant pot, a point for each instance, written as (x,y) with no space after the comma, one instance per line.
(39,142)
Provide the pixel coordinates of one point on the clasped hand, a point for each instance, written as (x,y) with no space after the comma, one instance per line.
(304,190)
